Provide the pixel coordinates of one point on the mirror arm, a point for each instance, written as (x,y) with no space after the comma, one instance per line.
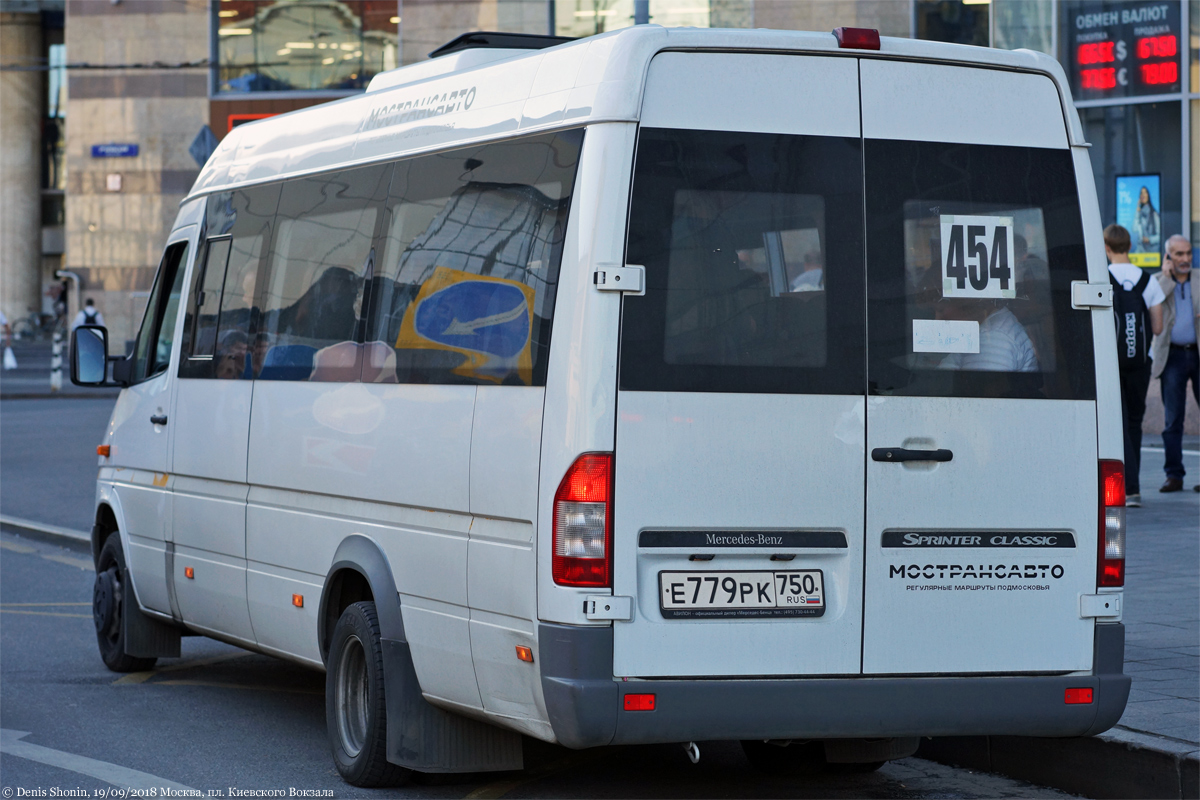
(120,370)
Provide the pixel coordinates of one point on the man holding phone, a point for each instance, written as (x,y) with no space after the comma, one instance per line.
(1176,359)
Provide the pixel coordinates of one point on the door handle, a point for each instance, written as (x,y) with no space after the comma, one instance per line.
(900,454)
(159,419)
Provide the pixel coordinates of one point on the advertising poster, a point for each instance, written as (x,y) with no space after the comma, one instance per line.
(484,319)
(1138,204)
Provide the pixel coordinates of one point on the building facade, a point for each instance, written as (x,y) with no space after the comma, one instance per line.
(144,89)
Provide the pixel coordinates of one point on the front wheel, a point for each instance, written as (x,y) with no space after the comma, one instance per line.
(355,713)
(109,595)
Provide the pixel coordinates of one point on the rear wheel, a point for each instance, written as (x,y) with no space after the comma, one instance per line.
(109,595)
(355,712)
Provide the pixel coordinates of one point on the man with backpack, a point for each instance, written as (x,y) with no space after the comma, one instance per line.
(88,315)
(1137,305)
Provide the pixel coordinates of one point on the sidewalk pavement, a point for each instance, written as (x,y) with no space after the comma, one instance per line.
(31,378)
(1154,750)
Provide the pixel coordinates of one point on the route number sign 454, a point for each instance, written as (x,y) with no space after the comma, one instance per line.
(977,257)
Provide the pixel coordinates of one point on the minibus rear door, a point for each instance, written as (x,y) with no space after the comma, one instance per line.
(982,483)
(739,482)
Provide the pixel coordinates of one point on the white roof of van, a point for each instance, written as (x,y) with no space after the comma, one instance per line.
(481,94)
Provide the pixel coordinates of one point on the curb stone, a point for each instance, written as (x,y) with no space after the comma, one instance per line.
(1120,763)
(46,529)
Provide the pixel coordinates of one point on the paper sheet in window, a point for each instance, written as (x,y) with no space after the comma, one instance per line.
(945,336)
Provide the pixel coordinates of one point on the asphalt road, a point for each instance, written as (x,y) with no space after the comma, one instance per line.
(221,718)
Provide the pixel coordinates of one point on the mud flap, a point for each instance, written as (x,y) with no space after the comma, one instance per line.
(425,738)
(146,637)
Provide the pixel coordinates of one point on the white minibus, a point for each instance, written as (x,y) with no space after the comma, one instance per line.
(667,385)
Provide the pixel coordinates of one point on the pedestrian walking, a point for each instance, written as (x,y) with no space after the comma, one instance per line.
(1137,304)
(10,360)
(88,315)
(1176,359)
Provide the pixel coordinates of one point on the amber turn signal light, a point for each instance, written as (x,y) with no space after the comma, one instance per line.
(524,653)
(188,572)
(298,600)
(103,450)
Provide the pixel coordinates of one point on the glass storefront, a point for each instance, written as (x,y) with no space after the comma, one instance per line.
(958,21)
(1126,64)
(1133,77)
(589,17)
(288,45)
(1131,141)
(1025,24)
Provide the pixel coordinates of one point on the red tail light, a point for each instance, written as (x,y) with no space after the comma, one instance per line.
(1110,563)
(583,523)
(857,38)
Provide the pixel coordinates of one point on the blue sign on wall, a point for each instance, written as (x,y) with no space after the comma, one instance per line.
(1138,202)
(114,150)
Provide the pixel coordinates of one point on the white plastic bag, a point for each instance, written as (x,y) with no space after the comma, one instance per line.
(10,360)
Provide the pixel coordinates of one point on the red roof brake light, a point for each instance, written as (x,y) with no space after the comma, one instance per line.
(857,38)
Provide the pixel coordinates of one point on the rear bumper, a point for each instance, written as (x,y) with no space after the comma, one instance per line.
(585,703)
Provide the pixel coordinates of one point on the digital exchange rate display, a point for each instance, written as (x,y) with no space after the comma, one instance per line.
(1122,49)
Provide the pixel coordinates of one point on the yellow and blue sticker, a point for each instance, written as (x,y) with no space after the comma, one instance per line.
(488,320)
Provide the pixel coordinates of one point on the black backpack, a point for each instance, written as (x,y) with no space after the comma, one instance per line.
(1133,320)
(89,316)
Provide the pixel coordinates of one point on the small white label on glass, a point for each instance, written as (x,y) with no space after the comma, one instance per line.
(977,257)
(945,336)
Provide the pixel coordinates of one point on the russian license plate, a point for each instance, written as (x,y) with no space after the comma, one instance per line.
(693,595)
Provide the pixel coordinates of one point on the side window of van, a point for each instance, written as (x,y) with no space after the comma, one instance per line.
(202,324)
(464,290)
(152,350)
(222,307)
(321,261)
(971,253)
(752,245)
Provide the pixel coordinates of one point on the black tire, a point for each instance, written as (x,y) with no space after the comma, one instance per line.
(109,595)
(795,758)
(355,713)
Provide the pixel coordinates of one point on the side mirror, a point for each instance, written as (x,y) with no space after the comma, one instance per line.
(89,357)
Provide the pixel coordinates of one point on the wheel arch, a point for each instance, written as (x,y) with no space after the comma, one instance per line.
(360,571)
(105,525)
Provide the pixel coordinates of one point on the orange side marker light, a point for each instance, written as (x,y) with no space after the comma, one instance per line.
(103,450)
(524,653)
(188,572)
(298,600)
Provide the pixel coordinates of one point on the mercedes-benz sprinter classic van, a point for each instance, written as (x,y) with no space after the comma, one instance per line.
(660,386)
